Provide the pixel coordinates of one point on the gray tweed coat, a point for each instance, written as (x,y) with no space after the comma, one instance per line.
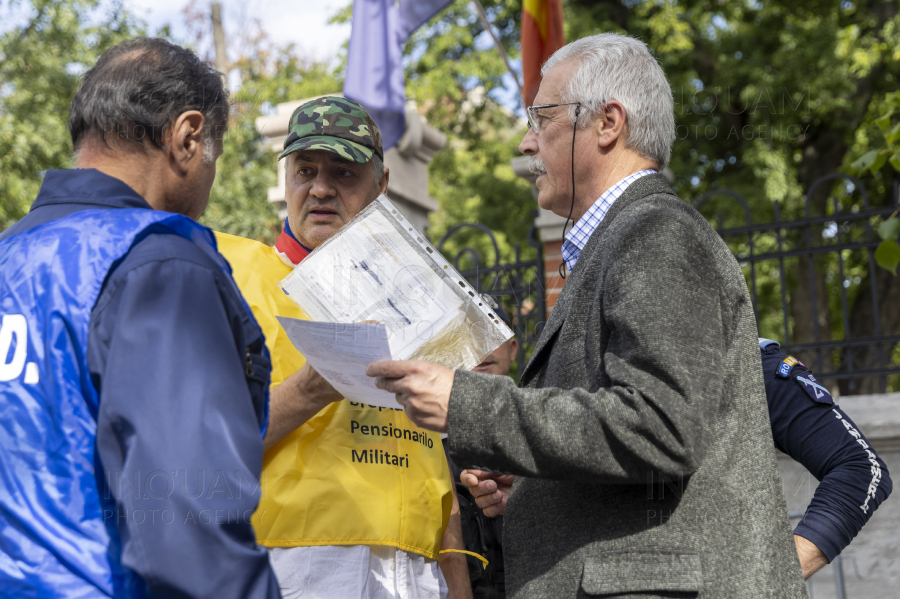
(639,433)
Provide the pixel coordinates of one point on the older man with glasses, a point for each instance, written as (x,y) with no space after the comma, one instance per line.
(636,454)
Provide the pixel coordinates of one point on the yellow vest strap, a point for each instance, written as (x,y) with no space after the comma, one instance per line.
(484,561)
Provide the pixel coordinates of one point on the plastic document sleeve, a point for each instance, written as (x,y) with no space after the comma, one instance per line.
(378,267)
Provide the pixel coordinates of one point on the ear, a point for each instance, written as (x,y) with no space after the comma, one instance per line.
(513,348)
(610,124)
(185,140)
(383,184)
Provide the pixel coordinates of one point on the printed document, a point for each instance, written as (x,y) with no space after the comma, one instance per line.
(340,353)
(373,275)
(379,268)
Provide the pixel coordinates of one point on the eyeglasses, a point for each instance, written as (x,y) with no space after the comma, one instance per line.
(533,117)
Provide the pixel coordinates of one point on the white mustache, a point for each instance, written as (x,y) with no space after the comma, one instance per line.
(536,166)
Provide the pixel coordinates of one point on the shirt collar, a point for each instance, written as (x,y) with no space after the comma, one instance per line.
(578,236)
(581,232)
(289,248)
(87,186)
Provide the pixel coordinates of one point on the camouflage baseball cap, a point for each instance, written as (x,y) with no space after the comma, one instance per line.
(337,125)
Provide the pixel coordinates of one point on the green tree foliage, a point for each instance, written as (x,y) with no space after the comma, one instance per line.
(268,75)
(770,97)
(39,66)
(40,62)
(453,74)
(888,252)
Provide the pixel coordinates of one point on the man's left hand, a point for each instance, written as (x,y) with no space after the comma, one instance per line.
(422,388)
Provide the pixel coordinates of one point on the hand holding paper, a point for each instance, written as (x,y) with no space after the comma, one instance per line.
(422,388)
(378,267)
(340,353)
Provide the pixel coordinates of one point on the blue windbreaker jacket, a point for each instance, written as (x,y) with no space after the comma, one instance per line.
(54,540)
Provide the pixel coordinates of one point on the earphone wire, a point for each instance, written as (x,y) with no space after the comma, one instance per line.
(562,266)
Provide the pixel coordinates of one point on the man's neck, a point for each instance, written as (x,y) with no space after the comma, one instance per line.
(135,169)
(614,170)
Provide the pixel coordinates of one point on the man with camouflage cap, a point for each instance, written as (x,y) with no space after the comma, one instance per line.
(337,524)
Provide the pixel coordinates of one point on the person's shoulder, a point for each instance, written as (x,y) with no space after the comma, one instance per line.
(158,262)
(648,185)
(772,354)
(169,255)
(777,364)
(669,208)
(233,245)
(255,266)
(650,199)
(163,246)
(783,371)
(665,220)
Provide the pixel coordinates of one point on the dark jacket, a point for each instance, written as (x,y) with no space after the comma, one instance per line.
(178,428)
(639,433)
(481,535)
(808,426)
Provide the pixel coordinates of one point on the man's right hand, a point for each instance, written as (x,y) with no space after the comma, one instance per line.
(300,397)
(490,490)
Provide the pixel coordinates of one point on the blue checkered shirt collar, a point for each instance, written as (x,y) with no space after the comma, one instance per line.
(587,224)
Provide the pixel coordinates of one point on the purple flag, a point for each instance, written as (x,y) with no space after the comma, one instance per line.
(375,60)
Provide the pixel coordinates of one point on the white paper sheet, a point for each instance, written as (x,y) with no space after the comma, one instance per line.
(340,353)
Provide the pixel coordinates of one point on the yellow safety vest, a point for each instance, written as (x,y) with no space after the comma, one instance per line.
(353,474)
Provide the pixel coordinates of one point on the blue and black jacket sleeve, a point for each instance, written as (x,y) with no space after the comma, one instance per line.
(179,438)
(809,427)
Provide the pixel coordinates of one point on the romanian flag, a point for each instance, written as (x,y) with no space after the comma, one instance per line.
(542,35)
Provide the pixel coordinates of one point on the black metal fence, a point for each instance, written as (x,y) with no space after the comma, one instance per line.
(815,285)
(518,285)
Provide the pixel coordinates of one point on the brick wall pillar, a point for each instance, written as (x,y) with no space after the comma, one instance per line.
(550,227)
(553,283)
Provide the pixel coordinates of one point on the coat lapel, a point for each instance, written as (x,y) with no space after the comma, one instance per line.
(647,185)
(553,324)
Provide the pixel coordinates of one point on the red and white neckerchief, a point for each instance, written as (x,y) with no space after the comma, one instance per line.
(291,251)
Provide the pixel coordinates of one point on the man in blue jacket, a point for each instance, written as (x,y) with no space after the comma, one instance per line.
(133,378)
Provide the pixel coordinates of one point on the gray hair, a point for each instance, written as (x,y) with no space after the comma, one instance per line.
(378,163)
(621,68)
(209,146)
(139,87)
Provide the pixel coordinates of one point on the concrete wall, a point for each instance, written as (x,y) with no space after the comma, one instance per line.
(876,550)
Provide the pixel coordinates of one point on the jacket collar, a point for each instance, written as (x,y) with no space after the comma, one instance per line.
(87,186)
(289,248)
